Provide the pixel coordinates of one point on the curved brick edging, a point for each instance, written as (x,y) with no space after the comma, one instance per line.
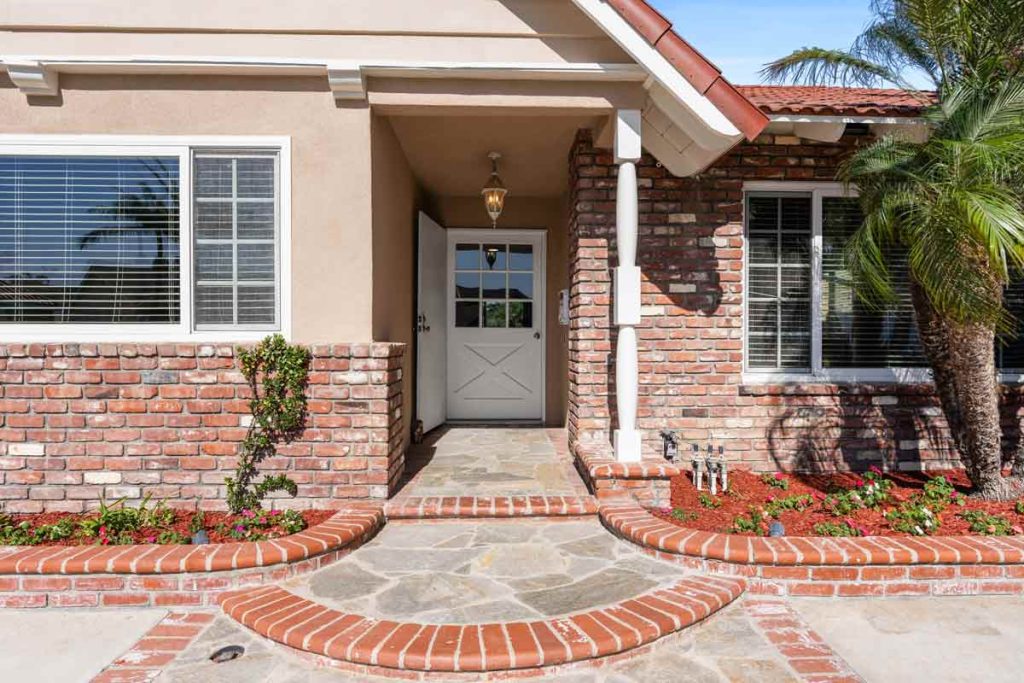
(877,565)
(91,576)
(304,625)
(498,507)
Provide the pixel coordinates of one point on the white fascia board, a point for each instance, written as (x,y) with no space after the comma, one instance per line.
(808,118)
(700,119)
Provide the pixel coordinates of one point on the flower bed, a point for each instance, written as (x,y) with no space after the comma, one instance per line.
(872,504)
(118,524)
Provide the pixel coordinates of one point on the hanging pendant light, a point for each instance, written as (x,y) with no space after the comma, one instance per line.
(494,191)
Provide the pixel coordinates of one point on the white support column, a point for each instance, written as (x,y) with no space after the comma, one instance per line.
(626,282)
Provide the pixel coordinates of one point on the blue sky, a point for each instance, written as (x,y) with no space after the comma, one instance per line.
(739,36)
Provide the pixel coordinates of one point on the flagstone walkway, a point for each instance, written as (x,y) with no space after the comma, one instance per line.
(491,461)
(477,572)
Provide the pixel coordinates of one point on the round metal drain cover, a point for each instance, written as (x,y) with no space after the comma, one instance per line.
(226,654)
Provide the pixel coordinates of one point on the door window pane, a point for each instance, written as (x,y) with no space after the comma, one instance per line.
(494,285)
(467,285)
(520,286)
(520,314)
(494,313)
(520,257)
(467,256)
(467,314)
(495,257)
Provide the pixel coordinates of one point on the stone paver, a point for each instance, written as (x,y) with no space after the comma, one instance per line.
(477,572)
(491,461)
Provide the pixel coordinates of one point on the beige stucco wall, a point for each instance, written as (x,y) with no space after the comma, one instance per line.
(331,183)
(550,214)
(484,30)
(394,204)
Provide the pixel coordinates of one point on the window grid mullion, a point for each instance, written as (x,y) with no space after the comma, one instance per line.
(816,286)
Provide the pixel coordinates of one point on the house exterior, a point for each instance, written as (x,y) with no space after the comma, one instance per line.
(176,180)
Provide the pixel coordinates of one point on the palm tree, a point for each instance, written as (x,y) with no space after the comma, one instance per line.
(953,203)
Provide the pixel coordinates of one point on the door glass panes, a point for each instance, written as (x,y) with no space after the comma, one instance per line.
(494,285)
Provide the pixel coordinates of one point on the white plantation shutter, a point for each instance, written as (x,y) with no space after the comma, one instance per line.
(855,335)
(89,239)
(779,282)
(236,234)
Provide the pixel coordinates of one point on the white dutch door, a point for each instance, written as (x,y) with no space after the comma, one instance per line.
(495,325)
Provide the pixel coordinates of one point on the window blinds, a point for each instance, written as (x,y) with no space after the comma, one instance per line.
(236,239)
(89,239)
(855,335)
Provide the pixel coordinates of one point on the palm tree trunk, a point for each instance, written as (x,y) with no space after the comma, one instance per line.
(934,335)
(963,365)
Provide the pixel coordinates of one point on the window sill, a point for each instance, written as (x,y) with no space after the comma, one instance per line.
(113,334)
(906,376)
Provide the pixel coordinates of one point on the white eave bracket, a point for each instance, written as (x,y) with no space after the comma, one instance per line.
(347,82)
(33,78)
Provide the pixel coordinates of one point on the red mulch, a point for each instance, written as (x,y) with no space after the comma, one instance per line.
(182,518)
(746,489)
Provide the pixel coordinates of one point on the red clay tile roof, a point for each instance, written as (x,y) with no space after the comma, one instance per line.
(832,101)
(702,74)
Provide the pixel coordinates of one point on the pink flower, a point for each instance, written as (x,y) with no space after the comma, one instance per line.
(780,476)
(874,468)
(859,482)
(248,513)
(150,539)
(771,499)
(239,529)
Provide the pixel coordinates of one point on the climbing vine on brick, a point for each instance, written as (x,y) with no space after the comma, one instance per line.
(277,373)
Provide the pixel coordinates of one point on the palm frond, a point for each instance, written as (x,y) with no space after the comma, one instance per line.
(820,66)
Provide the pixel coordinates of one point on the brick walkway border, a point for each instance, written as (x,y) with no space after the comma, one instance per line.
(178,575)
(386,647)
(450,507)
(802,647)
(156,649)
(845,567)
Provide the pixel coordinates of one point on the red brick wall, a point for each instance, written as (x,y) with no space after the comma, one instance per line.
(82,422)
(691,339)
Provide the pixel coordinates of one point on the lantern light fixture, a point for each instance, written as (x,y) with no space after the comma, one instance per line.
(494,191)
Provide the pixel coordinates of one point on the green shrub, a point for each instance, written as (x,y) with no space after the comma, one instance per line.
(776,480)
(276,372)
(753,522)
(683,515)
(987,525)
(708,501)
(776,506)
(837,529)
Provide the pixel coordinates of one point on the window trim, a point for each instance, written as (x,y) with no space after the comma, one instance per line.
(183,147)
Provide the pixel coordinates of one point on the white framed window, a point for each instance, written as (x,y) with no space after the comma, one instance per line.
(802,319)
(134,239)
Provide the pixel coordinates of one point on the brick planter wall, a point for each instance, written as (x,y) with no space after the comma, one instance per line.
(83,422)
(691,340)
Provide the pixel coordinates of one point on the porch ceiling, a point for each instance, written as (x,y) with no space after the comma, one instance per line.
(448,154)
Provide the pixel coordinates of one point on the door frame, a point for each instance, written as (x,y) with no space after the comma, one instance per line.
(483,235)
